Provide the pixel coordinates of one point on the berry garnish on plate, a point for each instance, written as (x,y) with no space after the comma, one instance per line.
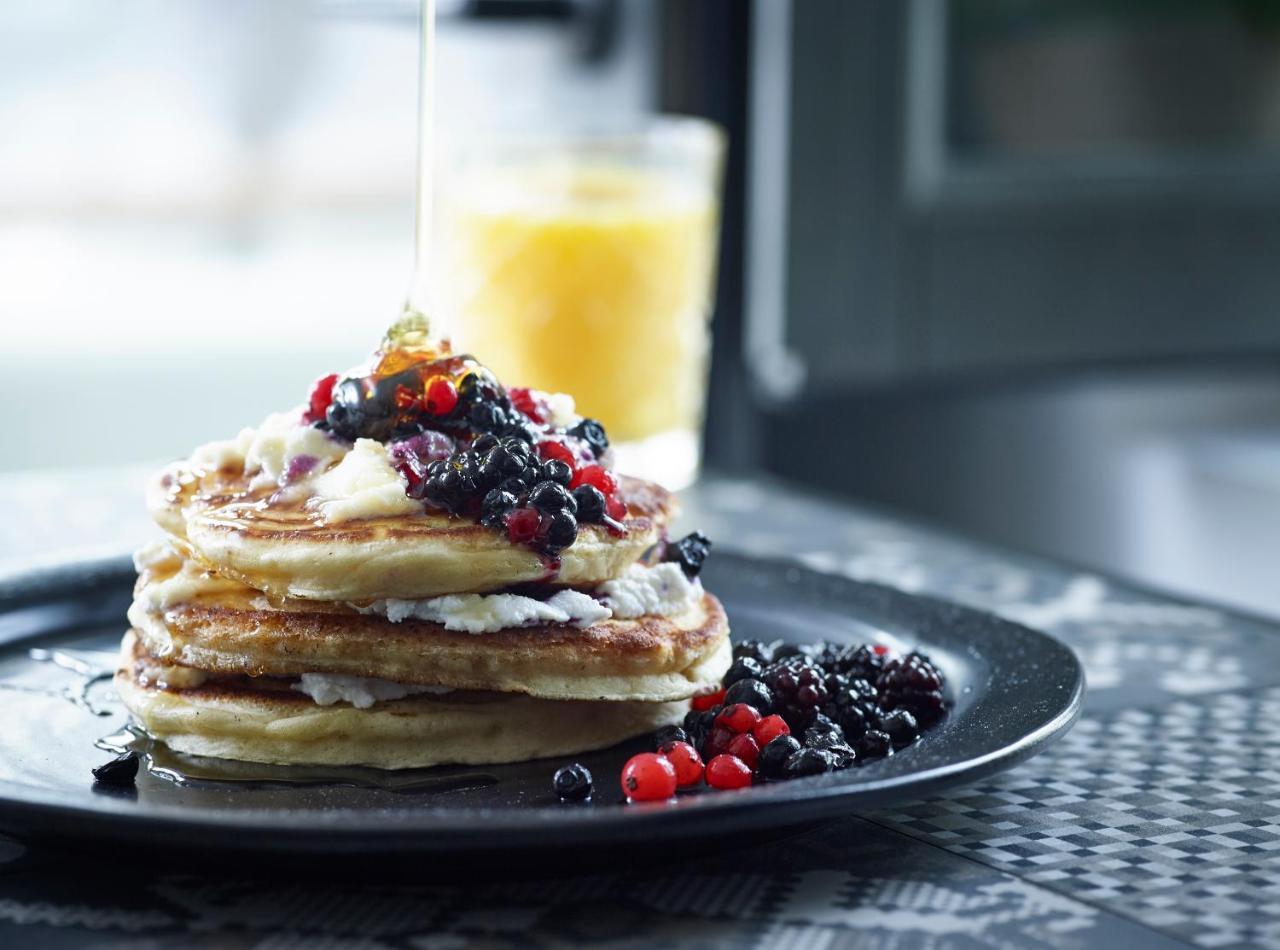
(572,783)
(648,777)
(787,712)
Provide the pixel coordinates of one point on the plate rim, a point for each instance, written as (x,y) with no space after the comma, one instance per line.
(433,828)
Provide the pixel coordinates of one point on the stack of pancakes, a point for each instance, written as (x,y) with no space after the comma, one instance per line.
(252,636)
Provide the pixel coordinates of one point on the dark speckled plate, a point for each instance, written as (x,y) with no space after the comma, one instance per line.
(1014,691)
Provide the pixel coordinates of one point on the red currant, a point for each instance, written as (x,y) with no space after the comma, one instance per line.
(597,476)
(648,777)
(717,742)
(442,396)
(524,400)
(728,771)
(746,748)
(615,507)
(709,701)
(685,759)
(768,729)
(880,649)
(522,525)
(321,396)
(558,450)
(738,718)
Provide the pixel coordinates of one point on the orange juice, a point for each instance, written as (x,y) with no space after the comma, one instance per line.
(592,280)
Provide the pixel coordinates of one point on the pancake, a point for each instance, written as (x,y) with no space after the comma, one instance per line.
(216,624)
(267,721)
(270,540)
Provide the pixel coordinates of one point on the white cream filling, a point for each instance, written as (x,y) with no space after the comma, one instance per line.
(661,591)
(362,485)
(361,692)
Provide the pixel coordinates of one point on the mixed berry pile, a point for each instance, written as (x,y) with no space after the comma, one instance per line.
(784,712)
(468,446)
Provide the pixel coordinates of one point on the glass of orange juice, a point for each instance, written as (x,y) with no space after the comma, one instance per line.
(583,261)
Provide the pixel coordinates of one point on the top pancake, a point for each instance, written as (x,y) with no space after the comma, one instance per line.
(270,540)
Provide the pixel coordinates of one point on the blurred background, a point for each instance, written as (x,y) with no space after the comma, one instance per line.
(1003,265)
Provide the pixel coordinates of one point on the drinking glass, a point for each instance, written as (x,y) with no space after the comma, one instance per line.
(583,261)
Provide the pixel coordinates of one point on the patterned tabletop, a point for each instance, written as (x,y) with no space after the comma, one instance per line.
(1154,823)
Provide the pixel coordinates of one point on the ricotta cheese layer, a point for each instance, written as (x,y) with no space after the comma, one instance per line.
(361,692)
(661,591)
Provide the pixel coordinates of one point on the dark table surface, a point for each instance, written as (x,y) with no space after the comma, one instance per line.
(1154,823)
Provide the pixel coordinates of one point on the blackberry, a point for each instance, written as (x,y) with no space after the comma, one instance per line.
(862,662)
(591,503)
(751,692)
(809,762)
(120,772)
(557,471)
(912,683)
(875,745)
(901,727)
(689,552)
(855,723)
(858,695)
(774,756)
(743,668)
(552,496)
(785,651)
(669,734)
(592,433)
(798,690)
(500,462)
(756,650)
(572,783)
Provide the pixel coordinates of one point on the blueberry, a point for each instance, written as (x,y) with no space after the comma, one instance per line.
(515,486)
(484,417)
(874,745)
(774,756)
(572,783)
(743,668)
(809,762)
(496,504)
(591,432)
(557,471)
(558,530)
(669,734)
(551,496)
(752,692)
(697,725)
(901,727)
(591,504)
(120,772)
(689,552)
(820,737)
